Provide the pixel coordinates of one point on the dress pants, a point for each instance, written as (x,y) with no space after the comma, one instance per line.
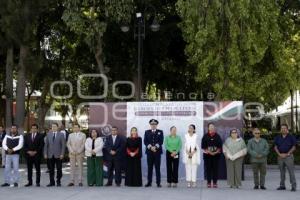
(259,173)
(76,159)
(36,161)
(287,163)
(114,165)
(211,164)
(172,168)
(95,171)
(234,172)
(153,159)
(191,171)
(52,163)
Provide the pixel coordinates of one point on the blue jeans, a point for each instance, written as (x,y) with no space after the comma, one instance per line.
(11,172)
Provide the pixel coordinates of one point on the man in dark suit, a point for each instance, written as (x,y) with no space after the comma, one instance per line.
(114,147)
(2,136)
(33,148)
(54,151)
(153,140)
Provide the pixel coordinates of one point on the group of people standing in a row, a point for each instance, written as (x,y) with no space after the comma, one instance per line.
(115,147)
(235,149)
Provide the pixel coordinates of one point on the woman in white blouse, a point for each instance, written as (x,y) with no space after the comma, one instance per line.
(93,152)
(191,156)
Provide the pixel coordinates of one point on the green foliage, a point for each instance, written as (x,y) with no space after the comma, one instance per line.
(240,47)
(90,18)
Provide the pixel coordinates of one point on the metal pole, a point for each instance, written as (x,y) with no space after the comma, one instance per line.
(139,70)
(297,92)
(292,110)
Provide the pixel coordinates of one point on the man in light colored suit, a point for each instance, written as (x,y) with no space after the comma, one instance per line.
(75,144)
(54,151)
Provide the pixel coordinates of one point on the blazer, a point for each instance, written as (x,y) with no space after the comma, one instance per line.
(36,145)
(54,147)
(98,147)
(76,144)
(119,147)
(191,144)
(154,139)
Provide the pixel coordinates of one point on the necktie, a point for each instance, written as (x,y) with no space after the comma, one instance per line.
(33,136)
(53,137)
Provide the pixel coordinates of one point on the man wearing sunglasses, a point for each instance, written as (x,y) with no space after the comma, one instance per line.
(258,148)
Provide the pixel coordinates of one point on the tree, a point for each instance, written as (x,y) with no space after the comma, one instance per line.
(18,24)
(89,18)
(238,47)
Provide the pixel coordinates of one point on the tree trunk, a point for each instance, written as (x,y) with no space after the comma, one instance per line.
(43,106)
(98,55)
(9,87)
(29,93)
(292,110)
(21,87)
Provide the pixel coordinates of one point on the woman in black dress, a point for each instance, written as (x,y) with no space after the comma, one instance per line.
(212,149)
(134,155)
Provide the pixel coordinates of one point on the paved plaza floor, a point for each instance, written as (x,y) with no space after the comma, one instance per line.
(246,192)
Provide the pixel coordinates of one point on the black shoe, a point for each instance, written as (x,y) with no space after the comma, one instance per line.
(263,188)
(108,184)
(80,184)
(5,185)
(16,185)
(58,185)
(293,189)
(3,166)
(148,185)
(50,185)
(118,185)
(70,184)
(281,188)
(255,188)
(38,185)
(159,185)
(28,185)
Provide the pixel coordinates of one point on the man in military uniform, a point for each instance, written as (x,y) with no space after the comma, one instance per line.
(153,140)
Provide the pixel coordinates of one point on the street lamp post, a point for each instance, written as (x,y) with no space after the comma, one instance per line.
(139,34)
(140,37)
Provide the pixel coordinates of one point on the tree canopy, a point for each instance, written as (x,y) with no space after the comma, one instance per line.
(239,50)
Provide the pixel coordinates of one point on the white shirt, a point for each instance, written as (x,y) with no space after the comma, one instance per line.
(33,136)
(190,143)
(114,138)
